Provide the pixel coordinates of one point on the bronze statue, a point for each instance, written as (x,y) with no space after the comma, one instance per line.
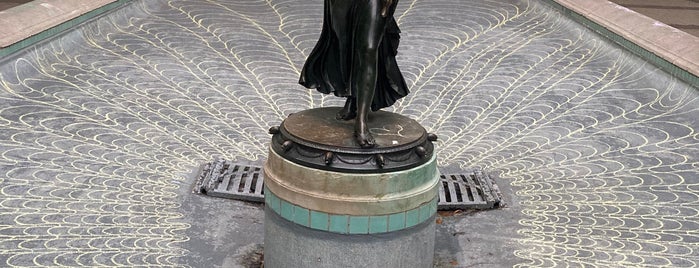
(355,58)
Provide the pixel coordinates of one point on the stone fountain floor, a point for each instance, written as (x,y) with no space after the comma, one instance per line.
(595,150)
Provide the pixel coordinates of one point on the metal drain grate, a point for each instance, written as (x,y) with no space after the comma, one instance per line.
(244,181)
(475,190)
(240,181)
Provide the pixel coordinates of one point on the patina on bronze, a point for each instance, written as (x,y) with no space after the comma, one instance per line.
(314,138)
(355,58)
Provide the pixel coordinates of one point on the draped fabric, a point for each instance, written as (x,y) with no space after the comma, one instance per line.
(328,67)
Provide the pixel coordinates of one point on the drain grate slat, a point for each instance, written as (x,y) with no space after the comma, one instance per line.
(245,181)
(451,187)
(442,194)
(237,183)
(467,188)
(259,186)
(473,190)
(223,183)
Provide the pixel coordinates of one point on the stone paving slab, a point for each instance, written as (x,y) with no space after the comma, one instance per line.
(23,21)
(675,46)
(596,151)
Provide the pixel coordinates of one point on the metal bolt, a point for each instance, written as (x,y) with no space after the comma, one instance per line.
(287,145)
(431,137)
(380,161)
(420,151)
(329,157)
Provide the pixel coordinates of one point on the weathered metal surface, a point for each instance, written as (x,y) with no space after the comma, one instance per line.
(314,138)
(473,190)
(241,181)
(319,126)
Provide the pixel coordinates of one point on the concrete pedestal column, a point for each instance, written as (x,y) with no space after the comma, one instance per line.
(291,245)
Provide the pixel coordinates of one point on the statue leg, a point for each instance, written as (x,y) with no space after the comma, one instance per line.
(369,30)
(340,19)
(349,111)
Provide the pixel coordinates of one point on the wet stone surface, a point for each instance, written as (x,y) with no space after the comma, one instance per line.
(595,150)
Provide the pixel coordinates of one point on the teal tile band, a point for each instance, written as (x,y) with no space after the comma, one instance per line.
(338,224)
(349,224)
(378,224)
(396,222)
(320,221)
(302,216)
(358,224)
(412,217)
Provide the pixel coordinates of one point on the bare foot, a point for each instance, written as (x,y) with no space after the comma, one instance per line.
(363,137)
(349,111)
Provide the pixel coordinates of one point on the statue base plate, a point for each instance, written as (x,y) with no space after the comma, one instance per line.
(315,138)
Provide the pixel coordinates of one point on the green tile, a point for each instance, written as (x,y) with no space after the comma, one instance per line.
(272,201)
(319,220)
(359,224)
(378,224)
(412,217)
(396,222)
(287,210)
(425,211)
(267,198)
(433,206)
(302,216)
(338,224)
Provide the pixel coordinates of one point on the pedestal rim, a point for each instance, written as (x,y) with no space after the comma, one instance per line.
(299,185)
(410,144)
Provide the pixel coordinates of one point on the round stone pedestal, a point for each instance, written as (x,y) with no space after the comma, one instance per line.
(330,203)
